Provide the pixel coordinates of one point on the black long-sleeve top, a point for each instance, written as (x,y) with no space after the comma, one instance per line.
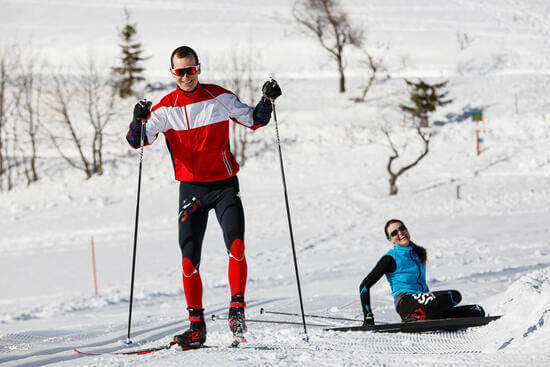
(385,265)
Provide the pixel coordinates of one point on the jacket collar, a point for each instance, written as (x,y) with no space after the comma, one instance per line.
(195,94)
(403,249)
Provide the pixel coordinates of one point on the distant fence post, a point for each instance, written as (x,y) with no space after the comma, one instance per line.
(477,116)
(93,265)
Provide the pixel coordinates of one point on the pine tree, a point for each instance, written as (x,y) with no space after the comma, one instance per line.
(131,57)
(425,98)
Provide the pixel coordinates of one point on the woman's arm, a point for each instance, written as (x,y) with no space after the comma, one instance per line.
(385,265)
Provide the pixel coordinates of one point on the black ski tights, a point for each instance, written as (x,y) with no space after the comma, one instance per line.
(436,305)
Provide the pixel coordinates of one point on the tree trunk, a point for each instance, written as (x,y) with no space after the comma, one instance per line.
(342,76)
(243,140)
(34,175)
(2,121)
(99,154)
(33,113)
(234,145)
(393,186)
(424,121)
(395,175)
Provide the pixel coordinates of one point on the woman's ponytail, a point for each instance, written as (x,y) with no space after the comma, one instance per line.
(421,252)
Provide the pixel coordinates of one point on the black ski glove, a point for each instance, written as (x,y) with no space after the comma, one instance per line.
(271,90)
(369,319)
(141,112)
(262,112)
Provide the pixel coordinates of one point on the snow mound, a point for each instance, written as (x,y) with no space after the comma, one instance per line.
(525,326)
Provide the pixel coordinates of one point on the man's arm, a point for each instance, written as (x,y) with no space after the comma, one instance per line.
(385,265)
(155,123)
(261,114)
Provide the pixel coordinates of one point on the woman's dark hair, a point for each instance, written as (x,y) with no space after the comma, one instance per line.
(420,251)
(181,52)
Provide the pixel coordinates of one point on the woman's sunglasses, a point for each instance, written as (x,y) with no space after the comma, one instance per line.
(396,231)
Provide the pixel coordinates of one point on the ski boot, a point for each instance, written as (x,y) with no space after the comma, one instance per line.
(195,336)
(236,318)
(368,319)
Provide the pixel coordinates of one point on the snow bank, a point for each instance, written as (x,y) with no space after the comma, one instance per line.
(525,326)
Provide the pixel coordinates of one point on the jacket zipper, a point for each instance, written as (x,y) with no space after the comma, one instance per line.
(186,117)
(189,135)
(419,271)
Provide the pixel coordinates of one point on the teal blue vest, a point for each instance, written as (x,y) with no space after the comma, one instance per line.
(409,276)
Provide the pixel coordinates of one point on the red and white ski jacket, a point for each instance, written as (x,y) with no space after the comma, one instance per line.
(196,127)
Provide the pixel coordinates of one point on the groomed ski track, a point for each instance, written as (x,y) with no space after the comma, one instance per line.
(462,347)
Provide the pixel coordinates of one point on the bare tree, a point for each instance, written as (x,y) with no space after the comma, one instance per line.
(62,95)
(100,100)
(3,113)
(464,41)
(239,78)
(30,82)
(329,23)
(94,93)
(9,102)
(373,68)
(394,175)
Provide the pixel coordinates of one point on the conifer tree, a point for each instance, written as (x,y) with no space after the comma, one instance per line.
(130,70)
(425,98)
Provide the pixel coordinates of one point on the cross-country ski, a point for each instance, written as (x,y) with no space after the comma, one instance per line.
(127,352)
(138,351)
(422,325)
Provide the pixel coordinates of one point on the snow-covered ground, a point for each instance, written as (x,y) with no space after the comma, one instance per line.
(491,244)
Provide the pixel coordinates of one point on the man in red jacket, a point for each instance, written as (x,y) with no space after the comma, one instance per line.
(194,119)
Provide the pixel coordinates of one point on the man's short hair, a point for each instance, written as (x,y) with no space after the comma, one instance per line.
(181,52)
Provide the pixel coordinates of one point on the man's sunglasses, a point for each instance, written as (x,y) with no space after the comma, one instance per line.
(396,231)
(190,70)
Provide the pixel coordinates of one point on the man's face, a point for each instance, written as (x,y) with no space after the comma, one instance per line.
(186,81)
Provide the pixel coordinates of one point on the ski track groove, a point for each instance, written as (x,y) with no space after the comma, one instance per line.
(440,343)
(443,343)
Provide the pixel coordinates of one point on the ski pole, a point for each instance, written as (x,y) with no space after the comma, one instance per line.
(262,311)
(289,219)
(218,317)
(141,143)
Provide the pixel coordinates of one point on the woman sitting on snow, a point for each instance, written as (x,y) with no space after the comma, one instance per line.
(405,269)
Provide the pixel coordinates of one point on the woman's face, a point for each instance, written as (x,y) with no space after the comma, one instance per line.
(398,234)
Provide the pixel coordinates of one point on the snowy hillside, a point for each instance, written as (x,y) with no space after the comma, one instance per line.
(492,244)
